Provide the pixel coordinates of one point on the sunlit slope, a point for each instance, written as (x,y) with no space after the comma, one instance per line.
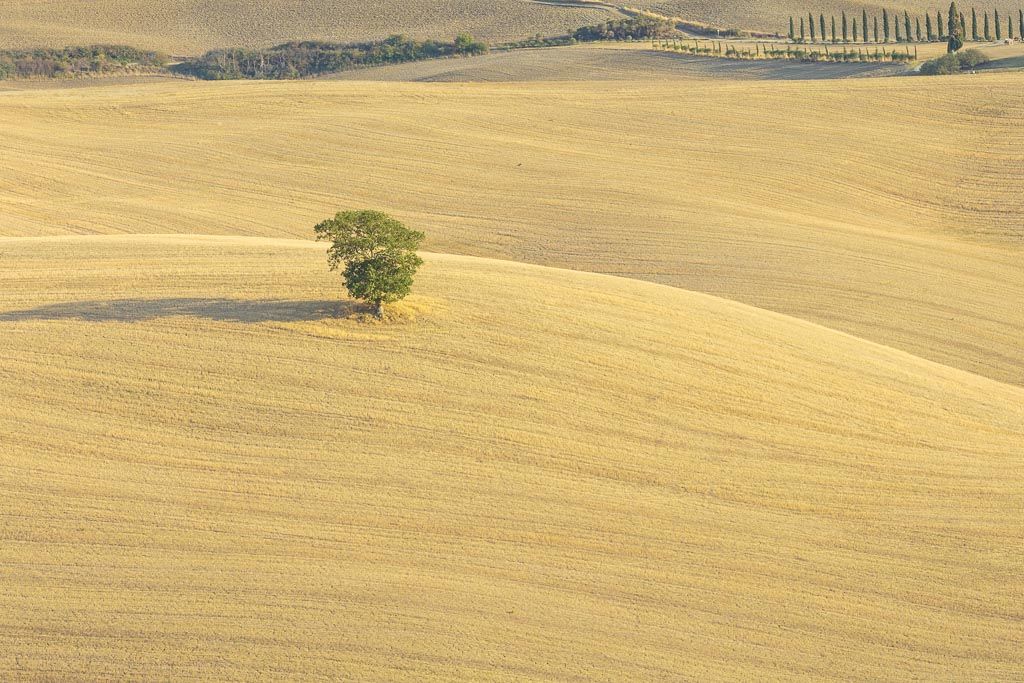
(889,209)
(192,26)
(547,475)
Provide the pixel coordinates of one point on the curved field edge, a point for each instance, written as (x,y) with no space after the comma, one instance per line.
(778,195)
(546,474)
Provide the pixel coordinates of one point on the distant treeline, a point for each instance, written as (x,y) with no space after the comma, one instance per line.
(904,28)
(73,61)
(633,28)
(315,58)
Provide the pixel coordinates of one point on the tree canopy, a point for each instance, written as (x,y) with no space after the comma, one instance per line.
(377,255)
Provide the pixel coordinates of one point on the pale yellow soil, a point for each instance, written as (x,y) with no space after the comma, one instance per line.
(888,208)
(183,27)
(543,475)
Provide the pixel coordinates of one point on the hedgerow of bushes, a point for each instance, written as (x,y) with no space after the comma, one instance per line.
(953,63)
(313,58)
(72,61)
(633,28)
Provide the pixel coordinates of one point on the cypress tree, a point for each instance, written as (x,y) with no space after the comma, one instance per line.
(974,24)
(988,32)
(1020,24)
(896,25)
(864,24)
(846,35)
(963,27)
(928,27)
(885,24)
(822,20)
(876,29)
(792,33)
(939,26)
(956,36)
(802,34)
(999,27)
(855,29)
(906,26)
(1009,27)
(918,20)
(833,29)
(810,23)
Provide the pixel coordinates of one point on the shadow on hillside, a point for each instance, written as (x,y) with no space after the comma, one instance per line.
(226,310)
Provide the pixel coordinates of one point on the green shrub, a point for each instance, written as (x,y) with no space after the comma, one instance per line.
(971,58)
(953,63)
(633,28)
(313,58)
(72,61)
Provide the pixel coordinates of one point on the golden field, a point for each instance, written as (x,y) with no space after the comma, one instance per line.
(709,375)
(886,208)
(185,27)
(211,473)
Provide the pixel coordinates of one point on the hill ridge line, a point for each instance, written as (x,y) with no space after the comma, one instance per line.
(297,243)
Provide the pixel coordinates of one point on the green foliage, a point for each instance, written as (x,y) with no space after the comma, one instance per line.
(864,24)
(974,24)
(953,63)
(999,27)
(377,254)
(971,58)
(313,58)
(633,28)
(955,32)
(885,25)
(810,23)
(72,61)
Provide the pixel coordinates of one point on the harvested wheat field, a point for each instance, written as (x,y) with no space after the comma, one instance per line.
(192,26)
(539,474)
(624,62)
(782,195)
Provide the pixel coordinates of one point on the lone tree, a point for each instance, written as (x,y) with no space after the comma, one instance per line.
(377,252)
(955,30)
(974,25)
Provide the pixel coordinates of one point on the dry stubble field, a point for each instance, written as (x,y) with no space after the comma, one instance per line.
(184,27)
(544,474)
(190,26)
(547,475)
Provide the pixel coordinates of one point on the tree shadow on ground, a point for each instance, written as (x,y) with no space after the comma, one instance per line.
(225,310)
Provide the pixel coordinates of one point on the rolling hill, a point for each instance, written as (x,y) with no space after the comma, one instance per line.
(185,27)
(787,196)
(544,475)
(182,27)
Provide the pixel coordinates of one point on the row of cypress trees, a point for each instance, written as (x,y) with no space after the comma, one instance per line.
(902,28)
